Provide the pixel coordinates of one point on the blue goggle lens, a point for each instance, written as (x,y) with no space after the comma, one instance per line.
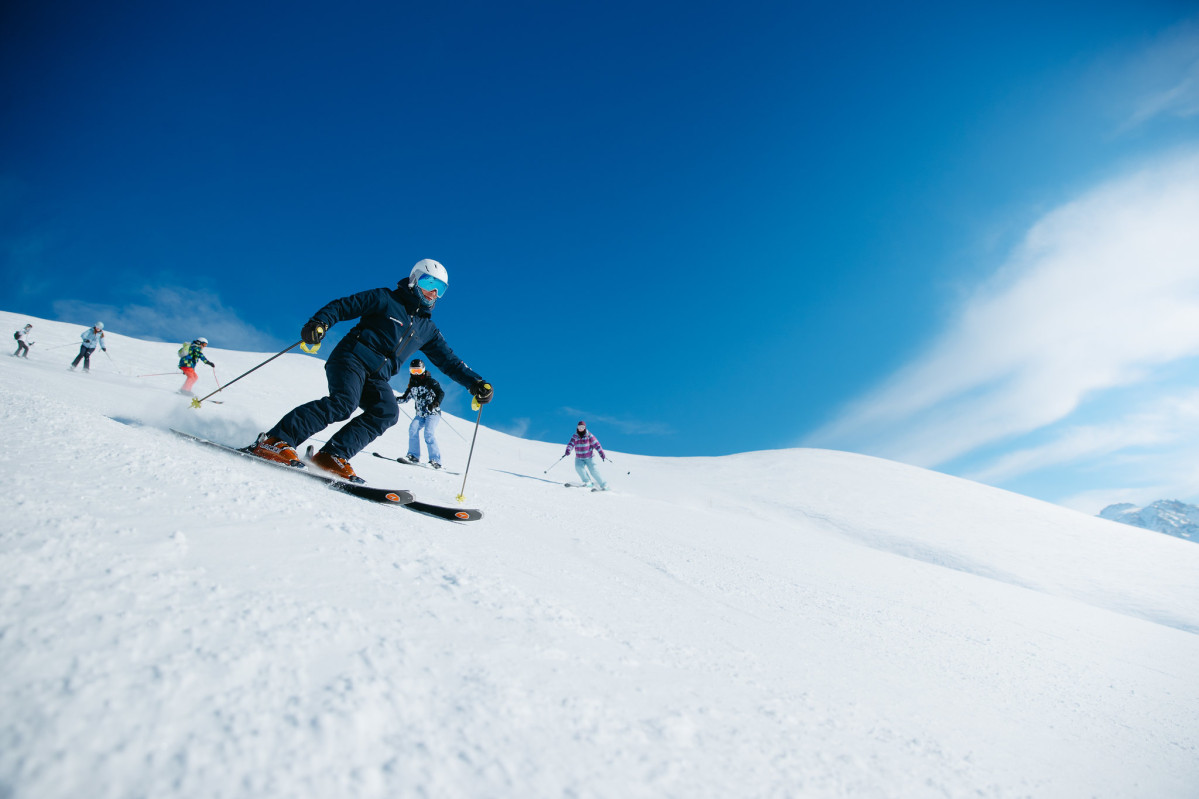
(430,283)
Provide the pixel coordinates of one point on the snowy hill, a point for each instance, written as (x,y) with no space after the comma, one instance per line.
(1167,516)
(175,621)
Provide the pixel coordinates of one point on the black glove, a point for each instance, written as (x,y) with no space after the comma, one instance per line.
(482,391)
(312,332)
(212,364)
(434,409)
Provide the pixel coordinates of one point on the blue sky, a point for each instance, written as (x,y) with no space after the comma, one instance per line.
(707,227)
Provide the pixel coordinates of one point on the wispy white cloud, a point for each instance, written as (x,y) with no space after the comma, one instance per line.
(1172,475)
(1165,78)
(515,427)
(1102,293)
(1170,423)
(171,313)
(628,426)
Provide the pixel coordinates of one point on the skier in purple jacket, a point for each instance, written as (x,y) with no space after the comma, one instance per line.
(585,445)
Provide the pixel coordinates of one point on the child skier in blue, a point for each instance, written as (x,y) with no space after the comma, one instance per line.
(187,364)
(427,395)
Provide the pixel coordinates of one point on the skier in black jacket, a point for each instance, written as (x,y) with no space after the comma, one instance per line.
(392,325)
(426,393)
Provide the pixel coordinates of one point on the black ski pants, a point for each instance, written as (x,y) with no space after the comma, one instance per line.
(350,387)
(85,355)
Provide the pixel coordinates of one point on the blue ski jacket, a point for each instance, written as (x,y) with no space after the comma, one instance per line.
(194,353)
(392,326)
(92,339)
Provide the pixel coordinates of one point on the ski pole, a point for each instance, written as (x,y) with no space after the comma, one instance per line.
(446,422)
(614,463)
(443,421)
(217,379)
(197,400)
(462,494)
(114,363)
(547,471)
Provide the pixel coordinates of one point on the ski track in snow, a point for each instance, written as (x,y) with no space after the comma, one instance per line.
(175,621)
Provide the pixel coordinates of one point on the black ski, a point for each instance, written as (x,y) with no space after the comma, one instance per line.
(410,463)
(385,496)
(443,512)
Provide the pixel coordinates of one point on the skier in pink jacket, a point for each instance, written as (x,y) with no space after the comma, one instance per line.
(585,446)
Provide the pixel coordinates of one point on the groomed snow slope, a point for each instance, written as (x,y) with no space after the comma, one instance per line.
(175,621)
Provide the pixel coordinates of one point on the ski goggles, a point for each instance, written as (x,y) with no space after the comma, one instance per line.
(430,283)
(416,370)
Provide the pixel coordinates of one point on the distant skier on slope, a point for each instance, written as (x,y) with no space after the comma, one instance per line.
(24,341)
(187,364)
(584,445)
(427,395)
(92,337)
(393,324)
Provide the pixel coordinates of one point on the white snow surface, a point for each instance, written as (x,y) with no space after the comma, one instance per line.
(180,622)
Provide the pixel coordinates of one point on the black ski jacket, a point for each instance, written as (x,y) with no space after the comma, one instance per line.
(426,392)
(392,326)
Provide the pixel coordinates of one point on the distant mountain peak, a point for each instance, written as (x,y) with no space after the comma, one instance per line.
(1169,516)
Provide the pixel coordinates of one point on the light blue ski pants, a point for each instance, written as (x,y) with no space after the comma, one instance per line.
(585,465)
(429,424)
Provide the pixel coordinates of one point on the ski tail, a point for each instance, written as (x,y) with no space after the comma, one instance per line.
(443,512)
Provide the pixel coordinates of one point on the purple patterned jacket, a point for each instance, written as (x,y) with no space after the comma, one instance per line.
(584,446)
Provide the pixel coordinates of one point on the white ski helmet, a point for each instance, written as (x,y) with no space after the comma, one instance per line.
(201,340)
(99,325)
(430,280)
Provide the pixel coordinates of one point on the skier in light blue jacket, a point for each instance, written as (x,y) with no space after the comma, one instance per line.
(92,337)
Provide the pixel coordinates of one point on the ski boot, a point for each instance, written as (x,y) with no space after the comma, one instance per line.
(274,449)
(338,467)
